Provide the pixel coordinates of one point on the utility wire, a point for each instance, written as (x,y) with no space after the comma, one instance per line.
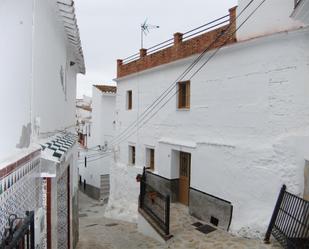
(186,72)
(194,74)
(174,84)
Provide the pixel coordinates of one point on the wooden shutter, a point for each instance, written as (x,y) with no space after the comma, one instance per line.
(129,100)
(133,154)
(184,94)
(188,94)
(151,159)
(180,93)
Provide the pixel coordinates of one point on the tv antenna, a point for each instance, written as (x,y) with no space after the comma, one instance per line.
(145,27)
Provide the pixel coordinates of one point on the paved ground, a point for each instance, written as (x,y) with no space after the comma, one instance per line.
(98,232)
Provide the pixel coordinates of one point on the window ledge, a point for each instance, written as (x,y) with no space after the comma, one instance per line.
(183,109)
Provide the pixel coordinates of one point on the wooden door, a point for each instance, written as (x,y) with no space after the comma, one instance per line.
(184,177)
(151,163)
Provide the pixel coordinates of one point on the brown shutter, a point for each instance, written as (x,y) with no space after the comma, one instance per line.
(188,94)
(180,89)
(133,154)
(129,100)
(152,159)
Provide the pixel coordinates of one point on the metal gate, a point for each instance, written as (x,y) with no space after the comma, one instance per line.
(290,221)
(63,211)
(20,232)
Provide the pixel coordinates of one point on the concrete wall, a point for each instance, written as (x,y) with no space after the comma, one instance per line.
(246,129)
(204,207)
(273,16)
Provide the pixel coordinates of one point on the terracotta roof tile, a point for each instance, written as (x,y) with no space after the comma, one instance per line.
(106,89)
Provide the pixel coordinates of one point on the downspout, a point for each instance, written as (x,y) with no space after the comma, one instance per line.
(32,72)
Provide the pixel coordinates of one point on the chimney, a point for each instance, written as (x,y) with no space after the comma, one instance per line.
(177,38)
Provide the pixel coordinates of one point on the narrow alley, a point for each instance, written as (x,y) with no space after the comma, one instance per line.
(99,232)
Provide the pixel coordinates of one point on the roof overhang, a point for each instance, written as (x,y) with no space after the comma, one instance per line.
(67,12)
(55,151)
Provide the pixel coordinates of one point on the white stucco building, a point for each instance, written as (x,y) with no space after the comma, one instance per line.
(229,137)
(41,55)
(83,119)
(94,170)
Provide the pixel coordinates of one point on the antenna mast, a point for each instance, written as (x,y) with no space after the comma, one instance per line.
(145,30)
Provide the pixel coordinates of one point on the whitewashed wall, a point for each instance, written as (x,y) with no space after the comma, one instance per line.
(33,49)
(273,16)
(102,130)
(247,128)
(15,71)
(54,104)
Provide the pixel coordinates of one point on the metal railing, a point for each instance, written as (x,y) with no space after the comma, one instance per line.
(155,205)
(187,35)
(19,232)
(290,221)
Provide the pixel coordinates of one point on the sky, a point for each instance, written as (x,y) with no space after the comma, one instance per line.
(110,30)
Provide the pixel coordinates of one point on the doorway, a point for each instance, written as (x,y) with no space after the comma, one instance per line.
(184,177)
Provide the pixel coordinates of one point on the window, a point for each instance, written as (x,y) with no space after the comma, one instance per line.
(184,95)
(150,158)
(131,155)
(129,100)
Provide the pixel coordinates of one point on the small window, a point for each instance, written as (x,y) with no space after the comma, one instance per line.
(150,158)
(132,155)
(129,100)
(184,95)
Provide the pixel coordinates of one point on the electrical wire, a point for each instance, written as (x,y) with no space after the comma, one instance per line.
(124,137)
(165,93)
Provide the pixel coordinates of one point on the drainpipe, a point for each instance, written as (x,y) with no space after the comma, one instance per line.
(32,70)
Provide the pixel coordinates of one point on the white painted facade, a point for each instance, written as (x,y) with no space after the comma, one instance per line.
(83,119)
(247,127)
(102,132)
(36,54)
(38,90)
(271,17)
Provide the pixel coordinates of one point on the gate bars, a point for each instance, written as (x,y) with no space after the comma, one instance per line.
(155,204)
(289,223)
(20,235)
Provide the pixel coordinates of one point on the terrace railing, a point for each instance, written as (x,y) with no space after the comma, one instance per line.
(155,205)
(187,35)
(290,221)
